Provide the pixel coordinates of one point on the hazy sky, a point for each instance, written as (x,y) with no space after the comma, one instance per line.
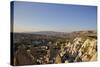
(31,17)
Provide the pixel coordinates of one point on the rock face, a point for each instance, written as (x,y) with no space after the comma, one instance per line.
(58,59)
(88,50)
(81,50)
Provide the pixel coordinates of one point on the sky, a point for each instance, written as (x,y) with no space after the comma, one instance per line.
(34,17)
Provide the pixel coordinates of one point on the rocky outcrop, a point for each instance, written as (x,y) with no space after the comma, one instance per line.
(88,50)
(81,50)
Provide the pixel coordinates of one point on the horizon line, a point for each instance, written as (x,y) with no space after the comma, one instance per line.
(53,31)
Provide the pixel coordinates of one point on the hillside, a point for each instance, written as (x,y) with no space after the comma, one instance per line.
(80,46)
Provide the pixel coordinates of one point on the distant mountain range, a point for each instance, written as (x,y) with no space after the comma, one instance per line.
(53,33)
(65,34)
